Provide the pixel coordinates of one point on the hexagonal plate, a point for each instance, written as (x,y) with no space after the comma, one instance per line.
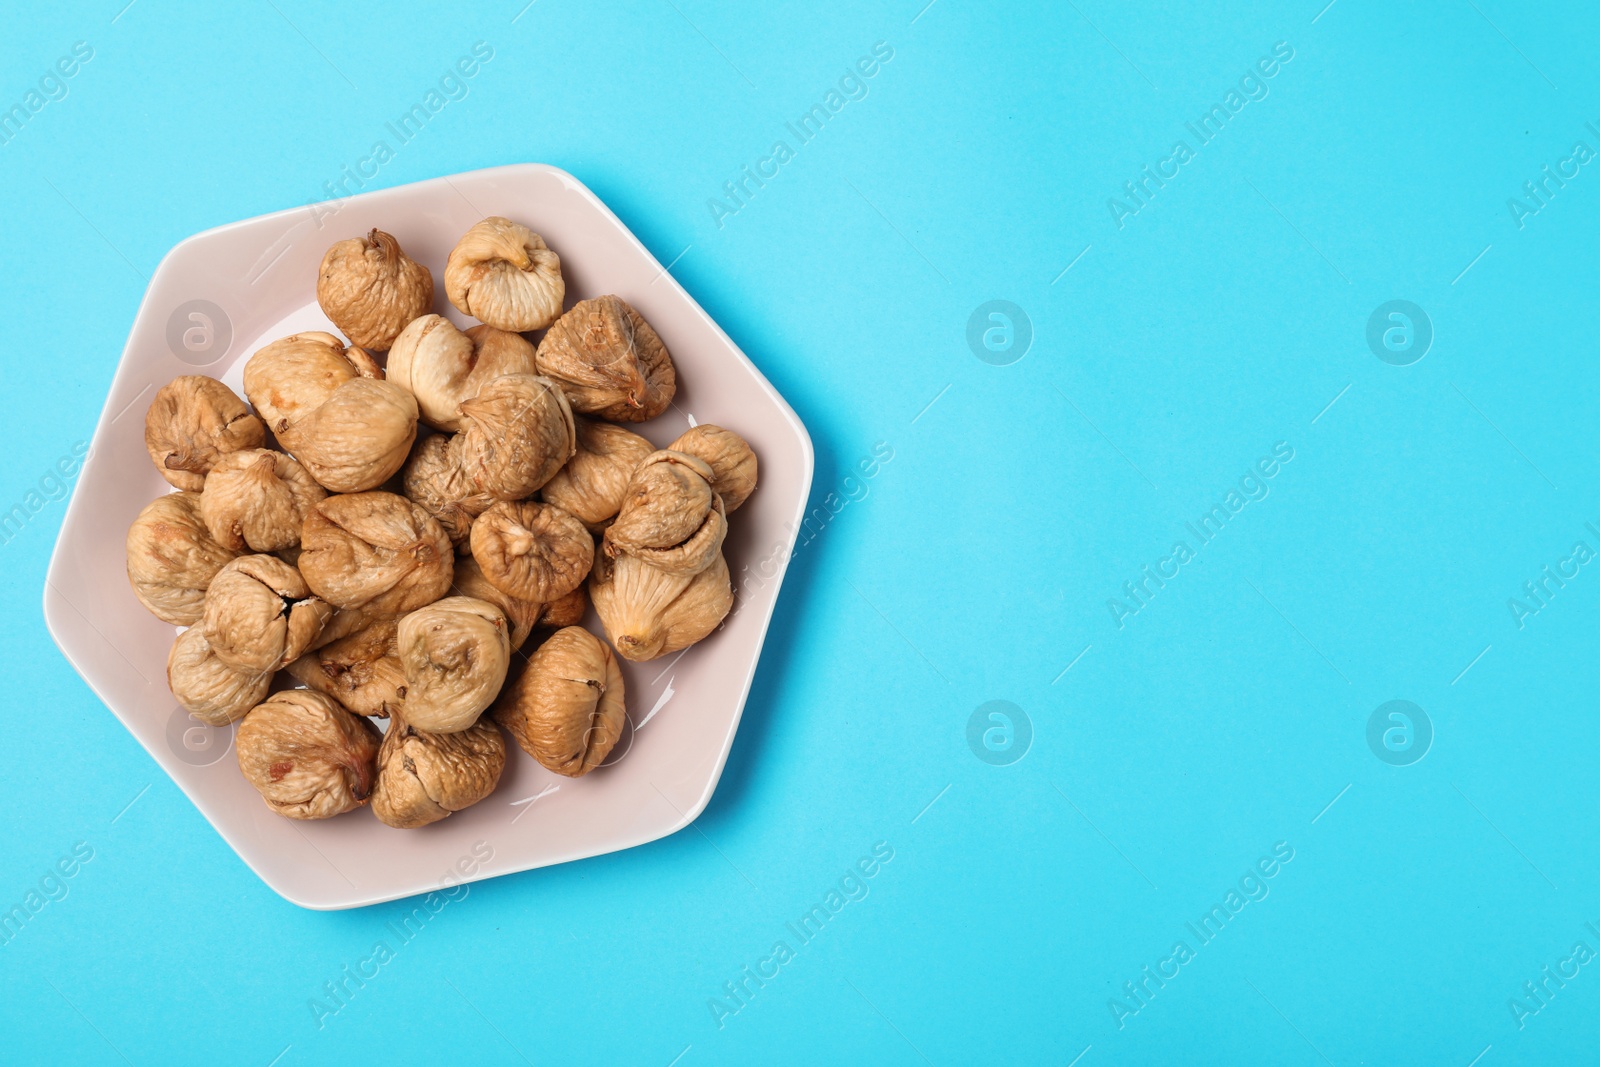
(218,297)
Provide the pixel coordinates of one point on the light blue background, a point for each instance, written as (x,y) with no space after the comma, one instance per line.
(1222,718)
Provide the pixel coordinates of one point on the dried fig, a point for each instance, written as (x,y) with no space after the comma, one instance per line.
(362,671)
(443,366)
(307,756)
(193,422)
(532,551)
(519,432)
(593,482)
(344,622)
(566,709)
(172,558)
(648,612)
(358,438)
(568,611)
(370,289)
(260,615)
(293,376)
(423,777)
(207,688)
(732,463)
(257,499)
(433,478)
(609,361)
(503,273)
(670,517)
(455,653)
(521,615)
(330,406)
(375,551)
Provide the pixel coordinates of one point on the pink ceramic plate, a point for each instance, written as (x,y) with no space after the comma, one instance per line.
(222,294)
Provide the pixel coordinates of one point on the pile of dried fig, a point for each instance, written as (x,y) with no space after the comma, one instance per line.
(410,525)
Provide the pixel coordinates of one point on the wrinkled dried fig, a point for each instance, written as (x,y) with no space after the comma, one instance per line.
(307,756)
(293,376)
(358,438)
(609,361)
(521,615)
(455,654)
(519,432)
(568,611)
(593,482)
(344,622)
(502,273)
(330,406)
(193,422)
(671,518)
(648,612)
(423,777)
(260,615)
(172,558)
(362,671)
(532,551)
(375,551)
(566,709)
(257,499)
(732,463)
(443,366)
(433,478)
(207,688)
(370,289)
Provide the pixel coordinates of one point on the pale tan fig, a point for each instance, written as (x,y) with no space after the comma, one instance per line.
(671,518)
(375,551)
(358,438)
(609,361)
(455,653)
(502,273)
(423,776)
(566,709)
(648,612)
(293,376)
(260,615)
(370,289)
(443,366)
(330,406)
(732,463)
(433,478)
(207,688)
(344,621)
(521,615)
(559,614)
(532,551)
(172,558)
(257,499)
(593,482)
(193,422)
(519,432)
(308,757)
(362,671)
(366,365)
